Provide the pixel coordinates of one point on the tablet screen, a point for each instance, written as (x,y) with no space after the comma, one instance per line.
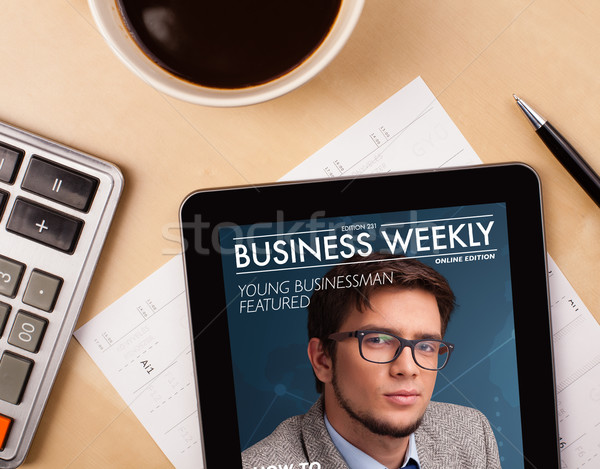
(270,273)
(273,270)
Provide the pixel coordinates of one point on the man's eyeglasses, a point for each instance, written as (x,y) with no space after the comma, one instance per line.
(383,347)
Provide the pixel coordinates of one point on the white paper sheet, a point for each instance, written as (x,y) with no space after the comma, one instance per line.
(142,345)
(141,342)
(576,335)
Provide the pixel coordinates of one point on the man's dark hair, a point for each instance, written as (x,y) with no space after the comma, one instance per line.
(329,307)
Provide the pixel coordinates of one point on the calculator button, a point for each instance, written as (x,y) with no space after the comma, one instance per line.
(42,224)
(10,276)
(3,198)
(42,290)
(10,161)
(4,312)
(5,424)
(60,184)
(27,331)
(14,374)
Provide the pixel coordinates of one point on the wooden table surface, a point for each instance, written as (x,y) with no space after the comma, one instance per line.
(59,79)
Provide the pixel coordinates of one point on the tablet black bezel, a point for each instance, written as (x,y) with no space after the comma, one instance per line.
(516,185)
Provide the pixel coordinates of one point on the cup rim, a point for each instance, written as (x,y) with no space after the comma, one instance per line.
(108,20)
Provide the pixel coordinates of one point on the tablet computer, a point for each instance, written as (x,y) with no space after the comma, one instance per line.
(387,303)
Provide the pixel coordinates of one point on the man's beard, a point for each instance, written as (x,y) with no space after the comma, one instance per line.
(370,423)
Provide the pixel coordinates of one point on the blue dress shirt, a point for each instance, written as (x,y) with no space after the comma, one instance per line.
(357,459)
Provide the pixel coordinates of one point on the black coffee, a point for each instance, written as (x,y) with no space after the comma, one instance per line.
(229,43)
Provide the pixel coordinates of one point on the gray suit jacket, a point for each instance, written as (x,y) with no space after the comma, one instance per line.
(450,436)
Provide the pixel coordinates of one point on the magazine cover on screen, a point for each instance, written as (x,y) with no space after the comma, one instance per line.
(280,279)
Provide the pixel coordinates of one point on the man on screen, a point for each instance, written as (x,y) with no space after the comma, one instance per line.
(375,350)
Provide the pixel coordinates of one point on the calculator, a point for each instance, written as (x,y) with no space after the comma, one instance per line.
(56,206)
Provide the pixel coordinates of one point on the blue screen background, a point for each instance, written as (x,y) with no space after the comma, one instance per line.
(273,376)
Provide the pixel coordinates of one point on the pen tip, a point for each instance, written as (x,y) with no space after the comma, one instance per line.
(516,97)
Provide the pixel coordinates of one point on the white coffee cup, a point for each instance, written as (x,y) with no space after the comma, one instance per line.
(110,23)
